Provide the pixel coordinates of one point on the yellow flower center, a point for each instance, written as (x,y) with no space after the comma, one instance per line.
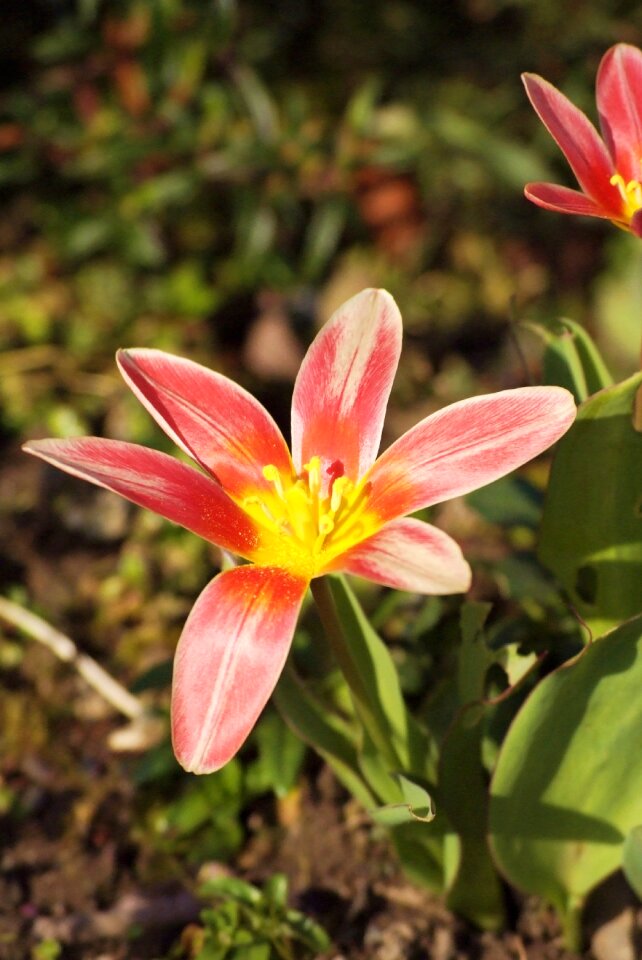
(310,523)
(630,192)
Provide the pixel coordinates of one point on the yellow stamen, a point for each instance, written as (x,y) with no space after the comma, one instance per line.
(314,519)
(272,475)
(313,470)
(631,193)
(340,489)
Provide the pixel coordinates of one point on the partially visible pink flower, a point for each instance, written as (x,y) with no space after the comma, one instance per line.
(608,170)
(328,506)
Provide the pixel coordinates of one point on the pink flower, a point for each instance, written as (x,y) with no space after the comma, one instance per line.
(327,506)
(608,170)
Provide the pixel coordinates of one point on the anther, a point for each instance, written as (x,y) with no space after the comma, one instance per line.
(313,470)
(339,489)
(273,476)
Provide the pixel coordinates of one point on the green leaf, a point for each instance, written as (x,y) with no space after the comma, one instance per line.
(307,931)
(475,890)
(474,657)
(323,730)
(571,358)
(374,684)
(254,951)
(632,859)
(275,890)
(591,534)
(360,109)
(232,888)
(281,755)
(417,805)
(565,791)
(421,851)
(260,105)
(509,501)
(322,236)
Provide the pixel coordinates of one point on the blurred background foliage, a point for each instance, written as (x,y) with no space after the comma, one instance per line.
(213,177)
(169,170)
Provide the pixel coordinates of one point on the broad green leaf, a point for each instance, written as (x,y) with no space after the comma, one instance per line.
(591,534)
(567,789)
(632,859)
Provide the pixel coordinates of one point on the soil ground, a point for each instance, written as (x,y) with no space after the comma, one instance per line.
(75,869)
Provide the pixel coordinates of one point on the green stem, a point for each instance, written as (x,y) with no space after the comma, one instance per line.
(572,924)
(375,727)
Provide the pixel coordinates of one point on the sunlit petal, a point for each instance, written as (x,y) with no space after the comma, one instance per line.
(156,481)
(210,417)
(228,660)
(579,141)
(410,555)
(343,385)
(636,223)
(467,445)
(619,104)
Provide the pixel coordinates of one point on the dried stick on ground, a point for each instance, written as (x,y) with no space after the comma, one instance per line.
(65,649)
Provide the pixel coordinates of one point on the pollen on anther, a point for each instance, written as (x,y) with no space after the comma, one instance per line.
(272,475)
(339,489)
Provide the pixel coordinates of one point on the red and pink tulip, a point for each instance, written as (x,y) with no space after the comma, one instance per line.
(608,168)
(328,506)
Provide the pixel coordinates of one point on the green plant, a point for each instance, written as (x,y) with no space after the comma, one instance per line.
(248,923)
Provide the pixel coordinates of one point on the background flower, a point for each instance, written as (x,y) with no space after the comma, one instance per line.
(608,170)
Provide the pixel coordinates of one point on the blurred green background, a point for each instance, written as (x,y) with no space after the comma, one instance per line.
(172,170)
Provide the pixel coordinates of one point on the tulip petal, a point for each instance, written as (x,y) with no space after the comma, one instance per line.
(228,660)
(619,82)
(578,140)
(553,197)
(209,416)
(636,223)
(158,482)
(342,388)
(410,555)
(465,446)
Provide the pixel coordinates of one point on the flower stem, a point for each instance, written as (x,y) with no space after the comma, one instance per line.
(572,924)
(373,723)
